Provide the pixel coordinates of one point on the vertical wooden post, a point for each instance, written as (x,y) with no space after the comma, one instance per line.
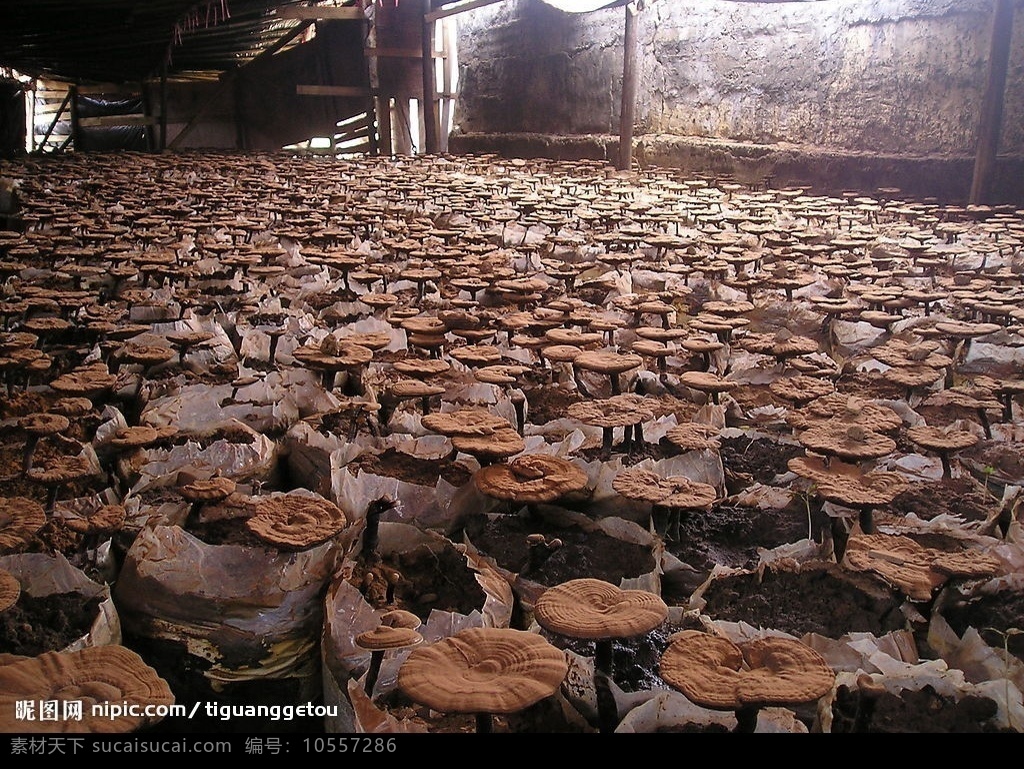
(384,125)
(991,121)
(428,107)
(163,107)
(627,114)
(73,136)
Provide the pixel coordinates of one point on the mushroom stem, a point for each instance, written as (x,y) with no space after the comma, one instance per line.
(376,658)
(983,418)
(867,520)
(607,711)
(484,723)
(746,719)
(30,450)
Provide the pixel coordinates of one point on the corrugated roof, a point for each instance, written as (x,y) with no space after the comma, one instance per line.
(132,40)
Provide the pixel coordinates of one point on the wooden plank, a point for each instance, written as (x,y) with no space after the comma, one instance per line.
(112,89)
(116,120)
(451,10)
(323,13)
(332,90)
(428,109)
(627,114)
(992,106)
(397,53)
(384,126)
(56,117)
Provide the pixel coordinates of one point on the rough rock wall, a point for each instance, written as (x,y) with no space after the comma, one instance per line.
(902,77)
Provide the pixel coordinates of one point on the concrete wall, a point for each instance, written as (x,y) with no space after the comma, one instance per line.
(833,79)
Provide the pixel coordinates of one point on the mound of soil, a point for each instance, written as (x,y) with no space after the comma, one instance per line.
(48,623)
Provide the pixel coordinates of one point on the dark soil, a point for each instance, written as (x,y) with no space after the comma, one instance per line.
(998,617)
(730,535)
(962,497)
(426,580)
(760,458)
(582,554)
(820,599)
(545,404)
(923,711)
(422,472)
(48,623)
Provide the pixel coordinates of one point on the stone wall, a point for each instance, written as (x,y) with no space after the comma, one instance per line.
(845,80)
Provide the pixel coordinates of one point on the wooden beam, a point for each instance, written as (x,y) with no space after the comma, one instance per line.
(397,53)
(323,13)
(56,117)
(105,121)
(428,109)
(991,121)
(383,110)
(332,90)
(451,10)
(225,82)
(627,114)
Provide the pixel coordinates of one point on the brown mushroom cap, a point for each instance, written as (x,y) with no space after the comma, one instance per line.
(676,491)
(468,421)
(102,520)
(846,441)
(941,439)
(694,436)
(20,519)
(715,673)
(911,567)
(616,411)
(209,490)
(10,590)
(501,443)
(295,521)
(595,610)
(91,676)
(385,638)
(531,478)
(483,670)
(44,424)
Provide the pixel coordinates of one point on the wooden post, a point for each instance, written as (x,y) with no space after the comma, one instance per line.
(163,107)
(992,107)
(73,136)
(428,107)
(627,114)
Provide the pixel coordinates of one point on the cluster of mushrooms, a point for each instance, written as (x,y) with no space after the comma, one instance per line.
(197,342)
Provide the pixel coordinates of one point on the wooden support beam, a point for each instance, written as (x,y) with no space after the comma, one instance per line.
(227,79)
(105,121)
(56,117)
(451,10)
(428,107)
(397,53)
(333,90)
(991,121)
(322,13)
(630,76)
(383,110)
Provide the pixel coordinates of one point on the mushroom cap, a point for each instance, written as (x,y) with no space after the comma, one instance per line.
(94,675)
(384,638)
(911,567)
(44,424)
(941,439)
(296,521)
(10,590)
(133,437)
(845,408)
(846,441)
(706,382)
(531,478)
(592,609)
(20,519)
(504,442)
(468,421)
(675,491)
(605,362)
(421,367)
(104,519)
(616,411)
(694,436)
(716,673)
(483,670)
(209,490)
(415,388)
